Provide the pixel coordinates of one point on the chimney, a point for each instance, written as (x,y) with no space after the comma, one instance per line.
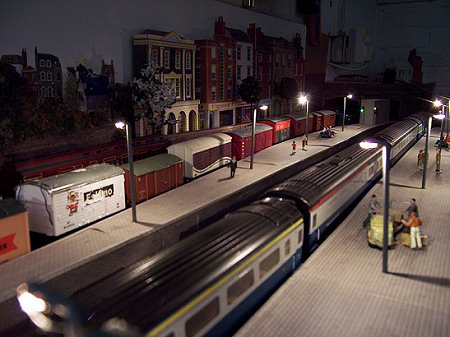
(220,26)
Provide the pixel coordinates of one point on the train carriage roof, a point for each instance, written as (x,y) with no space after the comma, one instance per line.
(297,116)
(246,131)
(75,178)
(396,132)
(151,290)
(327,112)
(151,164)
(275,119)
(316,183)
(203,143)
(419,117)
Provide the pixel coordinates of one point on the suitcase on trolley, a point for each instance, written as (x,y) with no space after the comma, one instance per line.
(375,233)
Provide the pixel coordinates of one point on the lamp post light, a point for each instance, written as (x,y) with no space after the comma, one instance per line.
(121,125)
(371,144)
(302,100)
(263,107)
(425,162)
(349,96)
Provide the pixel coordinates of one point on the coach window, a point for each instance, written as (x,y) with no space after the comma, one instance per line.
(269,262)
(170,335)
(287,247)
(202,318)
(300,236)
(244,282)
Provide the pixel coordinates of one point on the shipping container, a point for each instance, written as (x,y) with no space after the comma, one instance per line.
(63,202)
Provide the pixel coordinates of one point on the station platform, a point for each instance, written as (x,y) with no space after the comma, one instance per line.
(97,250)
(341,289)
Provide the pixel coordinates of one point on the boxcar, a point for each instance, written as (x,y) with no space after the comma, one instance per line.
(66,201)
(329,117)
(298,123)
(242,140)
(153,176)
(317,121)
(281,128)
(203,154)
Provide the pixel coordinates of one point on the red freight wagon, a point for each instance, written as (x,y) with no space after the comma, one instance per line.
(281,128)
(317,121)
(203,154)
(153,176)
(329,117)
(263,137)
(298,123)
(242,139)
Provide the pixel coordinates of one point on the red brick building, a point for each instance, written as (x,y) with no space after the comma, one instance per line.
(216,79)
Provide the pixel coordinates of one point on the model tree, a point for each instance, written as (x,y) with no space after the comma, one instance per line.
(153,96)
(250,90)
(288,89)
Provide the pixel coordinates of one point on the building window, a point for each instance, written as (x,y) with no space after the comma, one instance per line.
(41,63)
(174,84)
(249,53)
(213,72)
(155,56)
(283,59)
(197,72)
(213,52)
(289,60)
(239,52)
(269,74)
(229,73)
(229,93)
(260,73)
(166,58)
(188,87)
(198,92)
(188,60)
(296,69)
(260,57)
(33,77)
(269,93)
(301,70)
(43,91)
(49,64)
(43,77)
(249,71)
(230,53)
(270,58)
(177,60)
(50,92)
(49,76)
(239,70)
(213,94)
(277,59)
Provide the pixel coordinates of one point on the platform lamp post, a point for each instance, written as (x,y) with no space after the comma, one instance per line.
(371,144)
(262,107)
(425,162)
(121,125)
(302,100)
(349,96)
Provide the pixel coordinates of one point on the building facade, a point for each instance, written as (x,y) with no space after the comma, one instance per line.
(49,74)
(176,56)
(216,79)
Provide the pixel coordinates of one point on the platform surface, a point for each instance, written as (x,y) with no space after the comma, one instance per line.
(341,290)
(118,238)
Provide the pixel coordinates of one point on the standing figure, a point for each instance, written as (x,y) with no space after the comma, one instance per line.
(233,166)
(420,157)
(438,161)
(374,208)
(304,141)
(294,148)
(412,208)
(414,223)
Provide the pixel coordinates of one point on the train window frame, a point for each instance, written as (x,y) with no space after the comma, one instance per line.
(199,320)
(314,220)
(300,236)
(287,247)
(245,281)
(269,262)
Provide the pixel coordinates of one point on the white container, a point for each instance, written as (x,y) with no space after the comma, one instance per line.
(66,201)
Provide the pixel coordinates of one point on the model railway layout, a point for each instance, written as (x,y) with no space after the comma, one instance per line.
(210,282)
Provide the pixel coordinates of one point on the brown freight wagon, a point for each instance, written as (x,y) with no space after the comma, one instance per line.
(329,117)
(317,121)
(153,176)
(298,123)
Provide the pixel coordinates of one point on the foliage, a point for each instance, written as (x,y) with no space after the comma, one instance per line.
(153,96)
(288,88)
(250,90)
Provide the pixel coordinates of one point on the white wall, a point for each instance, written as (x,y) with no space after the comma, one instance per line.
(89,31)
(394,30)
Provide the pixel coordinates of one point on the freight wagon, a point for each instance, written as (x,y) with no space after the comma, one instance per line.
(281,128)
(64,202)
(203,154)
